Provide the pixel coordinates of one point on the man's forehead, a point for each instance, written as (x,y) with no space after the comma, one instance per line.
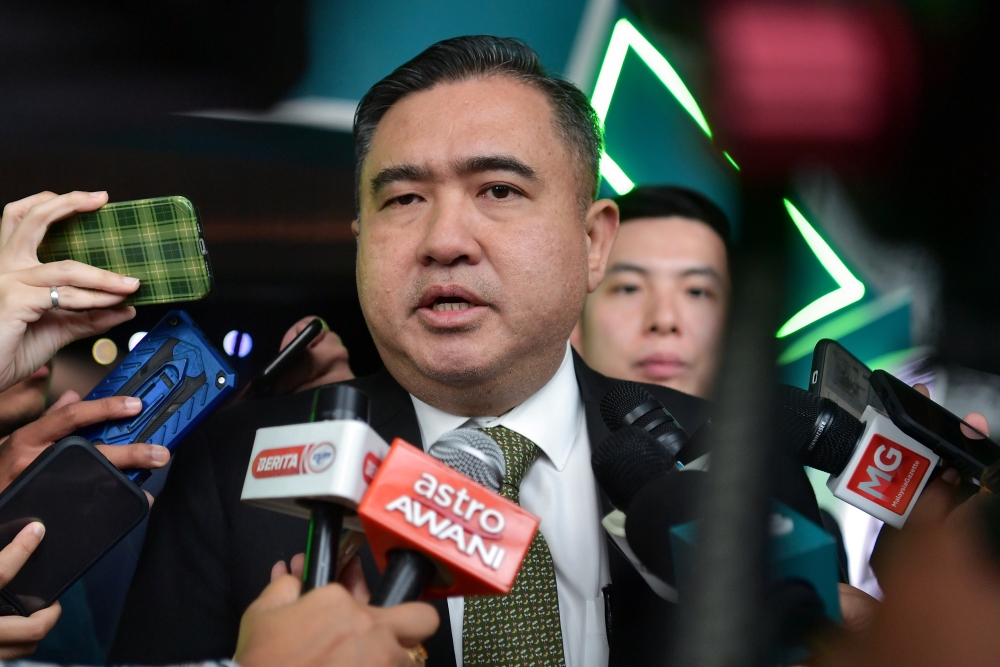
(449,124)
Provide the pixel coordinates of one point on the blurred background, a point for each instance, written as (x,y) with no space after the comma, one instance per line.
(878,117)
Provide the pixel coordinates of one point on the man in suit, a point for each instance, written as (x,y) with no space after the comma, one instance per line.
(479,238)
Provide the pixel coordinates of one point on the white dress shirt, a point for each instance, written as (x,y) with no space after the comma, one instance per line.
(561,490)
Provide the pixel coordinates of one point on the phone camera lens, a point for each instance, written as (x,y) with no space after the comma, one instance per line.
(173,321)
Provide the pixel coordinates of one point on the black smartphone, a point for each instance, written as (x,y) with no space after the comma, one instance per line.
(840,376)
(927,422)
(86,505)
(263,383)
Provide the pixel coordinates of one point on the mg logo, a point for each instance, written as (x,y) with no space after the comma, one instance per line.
(888,474)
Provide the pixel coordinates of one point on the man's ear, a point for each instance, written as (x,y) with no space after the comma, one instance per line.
(355,228)
(602,228)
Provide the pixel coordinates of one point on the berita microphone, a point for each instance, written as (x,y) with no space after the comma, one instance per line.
(872,464)
(440,530)
(628,404)
(319,471)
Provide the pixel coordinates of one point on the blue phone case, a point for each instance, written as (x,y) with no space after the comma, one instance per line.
(180,377)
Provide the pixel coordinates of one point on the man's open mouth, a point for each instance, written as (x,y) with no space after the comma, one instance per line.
(450,303)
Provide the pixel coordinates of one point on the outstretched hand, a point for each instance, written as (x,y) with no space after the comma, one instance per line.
(32,328)
(325,362)
(18,635)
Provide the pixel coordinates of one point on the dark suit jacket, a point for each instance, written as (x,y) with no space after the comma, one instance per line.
(207,556)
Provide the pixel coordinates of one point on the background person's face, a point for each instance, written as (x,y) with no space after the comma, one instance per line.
(659,314)
(473,254)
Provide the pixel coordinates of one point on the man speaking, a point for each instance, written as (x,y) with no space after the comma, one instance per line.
(478,240)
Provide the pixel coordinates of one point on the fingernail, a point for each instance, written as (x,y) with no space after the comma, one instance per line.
(326,327)
(131,282)
(950,475)
(133,403)
(160,454)
(38,529)
(98,194)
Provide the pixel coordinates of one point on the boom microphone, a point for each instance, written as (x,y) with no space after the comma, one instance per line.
(441,530)
(628,404)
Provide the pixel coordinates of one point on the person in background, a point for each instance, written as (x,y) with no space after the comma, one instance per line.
(659,314)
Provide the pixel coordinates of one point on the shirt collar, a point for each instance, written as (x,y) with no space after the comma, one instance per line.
(550,418)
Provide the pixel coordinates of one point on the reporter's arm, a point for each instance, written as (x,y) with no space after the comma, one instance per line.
(20,635)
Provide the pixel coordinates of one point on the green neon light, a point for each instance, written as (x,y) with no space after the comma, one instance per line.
(614,175)
(731,160)
(624,36)
(851,289)
(845,324)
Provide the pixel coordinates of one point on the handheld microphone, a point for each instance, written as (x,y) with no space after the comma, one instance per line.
(318,470)
(441,530)
(873,465)
(628,404)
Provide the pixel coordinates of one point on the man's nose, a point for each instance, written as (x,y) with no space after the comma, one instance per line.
(661,314)
(449,236)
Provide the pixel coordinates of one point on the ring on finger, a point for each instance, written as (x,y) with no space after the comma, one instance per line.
(418,655)
(54,295)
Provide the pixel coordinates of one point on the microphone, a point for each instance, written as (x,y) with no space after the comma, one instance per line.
(436,524)
(628,404)
(873,465)
(319,470)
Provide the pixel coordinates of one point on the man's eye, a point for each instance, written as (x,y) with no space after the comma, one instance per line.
(404,200)
(698,292)
(626,289)
(502,191)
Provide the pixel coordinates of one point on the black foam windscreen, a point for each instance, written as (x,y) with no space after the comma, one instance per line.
(669,501)
(626,461)
(630,404)
(815,431)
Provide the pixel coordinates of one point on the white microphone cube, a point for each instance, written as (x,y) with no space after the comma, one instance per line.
(332,460)
(887,471)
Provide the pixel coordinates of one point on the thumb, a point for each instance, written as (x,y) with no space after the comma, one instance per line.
(281,592)
(16,554)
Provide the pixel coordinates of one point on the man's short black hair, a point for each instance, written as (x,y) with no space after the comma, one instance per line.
(664,201)
(480,56)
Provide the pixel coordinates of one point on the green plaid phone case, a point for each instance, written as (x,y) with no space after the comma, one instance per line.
(158,241)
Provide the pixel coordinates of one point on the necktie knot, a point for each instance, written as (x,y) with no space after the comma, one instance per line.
(518,453)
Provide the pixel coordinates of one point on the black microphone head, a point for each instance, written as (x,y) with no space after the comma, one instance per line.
(474,454)
(626,461)
(815,431)
(630,404)
(340,401)
(669,501)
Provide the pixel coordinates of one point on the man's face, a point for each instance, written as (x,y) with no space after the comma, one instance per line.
(474,256)
(659,314)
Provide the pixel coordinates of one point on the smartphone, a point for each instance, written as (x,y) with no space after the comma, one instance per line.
(927,422)
(159,241)
(181,379)
(86,505)
(840,376)
(263,383)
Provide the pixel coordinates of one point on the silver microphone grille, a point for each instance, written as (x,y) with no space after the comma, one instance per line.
(474,454)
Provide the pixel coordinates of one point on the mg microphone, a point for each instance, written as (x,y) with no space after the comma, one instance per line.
(873,465)
(436,524)
(319,471)
(628,404)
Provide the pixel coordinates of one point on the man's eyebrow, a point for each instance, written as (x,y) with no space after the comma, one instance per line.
(480,163)
(702,271)
(624,267)
(401,172)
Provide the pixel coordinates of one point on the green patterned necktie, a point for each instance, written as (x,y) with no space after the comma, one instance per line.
(521,628)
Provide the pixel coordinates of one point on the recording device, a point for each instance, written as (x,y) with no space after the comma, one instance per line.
(86,505)
(840,376)
(318,471)
(180,378)
(626,461)
(628,404)
(440,531)
(159,241)
(873,465)
(263,383)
